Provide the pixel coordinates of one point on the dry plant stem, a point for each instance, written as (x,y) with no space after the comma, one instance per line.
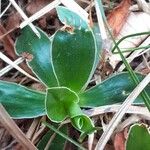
(140,111)
(129,121)
(13,129)
(76,8)
(10,31)
(118,116)
(9,67)
(90,141)
(100,21)
(114,108)
(144,6)
(1,14)
(24,16)
(40,13)
(10,62)
(51,139)
(32,128)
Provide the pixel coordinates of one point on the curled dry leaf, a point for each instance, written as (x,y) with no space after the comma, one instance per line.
(118,16)
(119,141)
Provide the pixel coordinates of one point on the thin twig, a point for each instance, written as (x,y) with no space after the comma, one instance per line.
(72,5)
(5,10)
(100,21)
(118,116)
(9,67)
(24,16)
(10,62)
(13,129)
(40,13)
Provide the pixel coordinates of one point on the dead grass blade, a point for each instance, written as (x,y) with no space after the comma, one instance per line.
(118,116)
(13,129)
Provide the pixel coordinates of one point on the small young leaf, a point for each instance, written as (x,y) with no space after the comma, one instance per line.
(73,60)
(21,102)
(60,103)
(38,51)
(112,90)
(68,17)
(139,138)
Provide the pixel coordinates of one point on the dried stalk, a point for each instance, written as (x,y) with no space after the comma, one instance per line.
(118,116)
(13,129)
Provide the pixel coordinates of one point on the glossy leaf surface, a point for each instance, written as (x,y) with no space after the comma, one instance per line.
(73,60)
(58,101)
(139,138)
(21,102)
(39,48)
(68,17)
(61,102)
(112,90)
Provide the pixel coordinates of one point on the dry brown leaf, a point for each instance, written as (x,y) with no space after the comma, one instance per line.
(7,43)
(119,141)
(118,16)
(36,5)
(13,21)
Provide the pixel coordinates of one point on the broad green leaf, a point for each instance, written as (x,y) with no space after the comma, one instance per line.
(61,102)
(68,17)
(139,138)
(21,102)
(112,90)
(39,48)
(73,60)
(57,143)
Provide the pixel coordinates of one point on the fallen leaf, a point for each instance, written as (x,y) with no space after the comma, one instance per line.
(7,43)
(119,141)
(117,17)
(13,21)
(35,5)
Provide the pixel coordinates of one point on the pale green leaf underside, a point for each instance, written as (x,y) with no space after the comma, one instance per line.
(70,18)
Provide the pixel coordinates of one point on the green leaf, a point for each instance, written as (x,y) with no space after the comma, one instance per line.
(83,123)
(112,90)
(73,57)
(58,142)
(59,100)
(68,17)
(139,138)
(21,102)
(39,48)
